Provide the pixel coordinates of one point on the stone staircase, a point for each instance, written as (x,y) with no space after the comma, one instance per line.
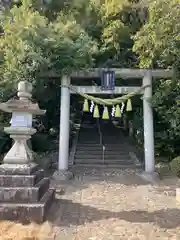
(25,193)
(89,151)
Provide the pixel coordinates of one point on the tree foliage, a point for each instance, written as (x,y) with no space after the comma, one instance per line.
(157,42)
(121,19)
(158,45)
(32,45)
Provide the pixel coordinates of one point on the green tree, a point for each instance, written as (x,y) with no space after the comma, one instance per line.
(157,42)
(31,45)
(121,19)
(158,45)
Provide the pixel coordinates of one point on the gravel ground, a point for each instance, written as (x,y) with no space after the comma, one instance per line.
(112,204)
(106,204)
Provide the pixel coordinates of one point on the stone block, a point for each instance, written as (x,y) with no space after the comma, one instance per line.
(21,180)
(25,212)
(24,194)
(18,169)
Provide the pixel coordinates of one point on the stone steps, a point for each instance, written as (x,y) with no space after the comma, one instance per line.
(24,193)
(106,157)
(99,150)
(89,151)
(106,165)
(100,161)
(26,212)
(20,181)
(99,156)
(98,145)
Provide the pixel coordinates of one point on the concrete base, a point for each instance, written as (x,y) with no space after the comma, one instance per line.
(24,193)
(61,175)
(149,177)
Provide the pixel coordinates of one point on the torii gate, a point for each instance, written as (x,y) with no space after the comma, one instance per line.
(145,74)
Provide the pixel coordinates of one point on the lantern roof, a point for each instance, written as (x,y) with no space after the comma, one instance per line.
(23,103)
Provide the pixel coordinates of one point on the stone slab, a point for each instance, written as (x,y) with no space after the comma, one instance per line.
(26,213)
(24,194)
(61,175)
(18,169)
(21,180)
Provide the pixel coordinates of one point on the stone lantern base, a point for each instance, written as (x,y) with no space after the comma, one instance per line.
(24,193)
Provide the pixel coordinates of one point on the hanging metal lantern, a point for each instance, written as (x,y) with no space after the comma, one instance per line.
(107,80)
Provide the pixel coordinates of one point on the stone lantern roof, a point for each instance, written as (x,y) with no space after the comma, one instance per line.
(24,103)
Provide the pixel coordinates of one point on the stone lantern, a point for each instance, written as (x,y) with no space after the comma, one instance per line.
(24,192)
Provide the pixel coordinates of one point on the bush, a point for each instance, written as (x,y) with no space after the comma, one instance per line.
(40,142)
(5,142)
(175,166)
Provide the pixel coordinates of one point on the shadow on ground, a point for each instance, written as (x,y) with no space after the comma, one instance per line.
(66,213)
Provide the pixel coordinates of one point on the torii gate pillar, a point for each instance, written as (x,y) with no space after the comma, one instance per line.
(148,124)
(62,173)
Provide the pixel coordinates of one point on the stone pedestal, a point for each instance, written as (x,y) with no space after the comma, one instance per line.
(20,153)
(25,195)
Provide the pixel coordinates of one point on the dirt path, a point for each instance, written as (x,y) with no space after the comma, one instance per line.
(116,205)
